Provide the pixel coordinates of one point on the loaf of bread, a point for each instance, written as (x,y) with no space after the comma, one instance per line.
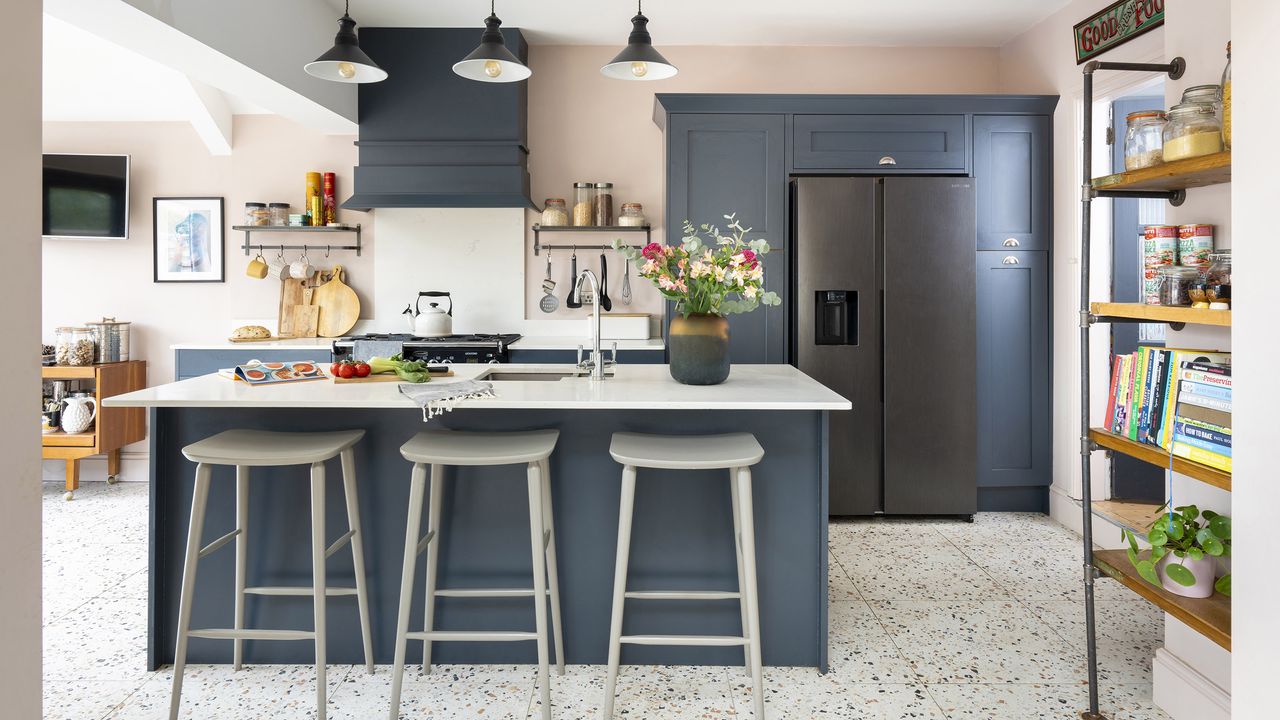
(250,332)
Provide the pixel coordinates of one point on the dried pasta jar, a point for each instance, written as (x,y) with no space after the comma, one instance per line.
(1193,130)
(1144,139)
(584,207)
(74,346)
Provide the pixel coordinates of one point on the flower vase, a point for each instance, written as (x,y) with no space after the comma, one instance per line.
(699,349)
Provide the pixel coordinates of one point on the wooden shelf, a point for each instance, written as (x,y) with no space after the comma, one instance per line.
(1162,313)
(1133,516)
(61,439)
(68,372)
(1210,616)
(1177,175)
(1158,457)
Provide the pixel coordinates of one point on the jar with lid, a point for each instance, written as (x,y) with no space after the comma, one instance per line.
(278,213)
(111,340)
(1175,284)
(256,213)
(1226,101)
(1193,130)
(632,215)
(604,204)
(74,346)
(584,209)
(1144,139)
(554,213)
(1204,95)
(1218,277)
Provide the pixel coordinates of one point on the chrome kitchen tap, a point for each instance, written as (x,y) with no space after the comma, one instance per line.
(596,363)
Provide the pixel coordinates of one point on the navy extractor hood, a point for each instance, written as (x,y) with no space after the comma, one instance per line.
(429,138)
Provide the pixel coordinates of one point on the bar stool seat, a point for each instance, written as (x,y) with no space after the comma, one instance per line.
(480,448)
(267,449)
(706,452)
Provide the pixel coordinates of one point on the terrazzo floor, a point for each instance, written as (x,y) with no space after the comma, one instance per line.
(930,619)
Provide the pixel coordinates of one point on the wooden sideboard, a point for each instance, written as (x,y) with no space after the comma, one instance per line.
(112,429)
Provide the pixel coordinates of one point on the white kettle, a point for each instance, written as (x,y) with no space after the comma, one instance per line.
(432,322)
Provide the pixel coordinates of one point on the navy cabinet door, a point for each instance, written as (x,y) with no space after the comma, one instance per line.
(1011,163)
(724,163)
(1014,431)
(883,143)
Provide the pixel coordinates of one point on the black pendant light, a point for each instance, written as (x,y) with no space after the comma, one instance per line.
(346,62)
(492,61)
(639,61)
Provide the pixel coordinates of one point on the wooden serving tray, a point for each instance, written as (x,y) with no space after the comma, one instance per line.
(258,340)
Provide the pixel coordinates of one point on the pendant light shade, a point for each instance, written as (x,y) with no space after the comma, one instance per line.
(492,61)
(346,62)
(639,61)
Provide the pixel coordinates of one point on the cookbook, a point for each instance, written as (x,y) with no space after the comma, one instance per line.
(273,373)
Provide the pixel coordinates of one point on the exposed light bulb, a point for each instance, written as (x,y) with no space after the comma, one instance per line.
(492,68)
(639,69)
(346,70)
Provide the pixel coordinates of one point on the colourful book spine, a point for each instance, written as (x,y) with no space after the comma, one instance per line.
(1202,444)
(1110,420)
(1203,390)
(1206,402)
(1211,367)
(1202,456)
(1154,362)
(1205,425)
(1159,384)
(1205,378)
(1178,360)
(1135,401)
(1189,428)
(1122,406)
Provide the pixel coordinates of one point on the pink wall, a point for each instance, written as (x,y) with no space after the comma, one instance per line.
(84,280)
(584,126)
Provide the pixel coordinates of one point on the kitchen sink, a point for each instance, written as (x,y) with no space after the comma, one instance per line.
(527,375)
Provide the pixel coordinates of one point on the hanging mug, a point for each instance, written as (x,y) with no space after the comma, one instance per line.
(278,268)
(301,269)
(257,267)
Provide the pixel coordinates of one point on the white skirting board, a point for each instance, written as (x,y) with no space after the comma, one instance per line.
(1184,693)
(133,468)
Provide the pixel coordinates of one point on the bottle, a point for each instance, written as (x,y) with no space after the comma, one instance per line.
(1226,101)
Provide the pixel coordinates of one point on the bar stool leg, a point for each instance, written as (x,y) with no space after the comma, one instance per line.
(625,506)
(199,500)
(318,584)
(539,583)
(742,584)
(348,458)
(242,557)
(417,483)
(553,575)
(743,479)
(433,559)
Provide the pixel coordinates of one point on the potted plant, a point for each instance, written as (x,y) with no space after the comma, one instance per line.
(708,279)
(1184,546)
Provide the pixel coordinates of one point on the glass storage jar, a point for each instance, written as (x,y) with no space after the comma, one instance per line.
(604,204)
(1175,284)
(279,213)
(1218,277)
(74,346)
(1144,139)
(554,213)
(584,209)
(1204,95)
(632,215)
(1193,130)
(256,213)
(1226,101)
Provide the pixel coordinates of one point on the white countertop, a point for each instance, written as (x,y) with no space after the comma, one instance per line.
(546,342)
(632,387)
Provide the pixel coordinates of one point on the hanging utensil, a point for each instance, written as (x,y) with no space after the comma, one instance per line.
(626,281)
(573,300)
(549,302)
(605,303)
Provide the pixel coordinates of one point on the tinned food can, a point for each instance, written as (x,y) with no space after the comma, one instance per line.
(1151,285)
(1159,245)
(1195,243)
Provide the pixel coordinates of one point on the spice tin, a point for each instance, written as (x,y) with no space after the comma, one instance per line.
(1159,245)
(1195,242)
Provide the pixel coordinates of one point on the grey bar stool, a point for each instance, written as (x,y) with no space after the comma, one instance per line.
(735,452)
(251,448)
(438,449)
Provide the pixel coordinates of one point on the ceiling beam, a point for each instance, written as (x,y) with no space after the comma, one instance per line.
(211,117)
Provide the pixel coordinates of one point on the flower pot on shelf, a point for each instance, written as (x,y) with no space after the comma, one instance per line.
(699,348)
(1203,569)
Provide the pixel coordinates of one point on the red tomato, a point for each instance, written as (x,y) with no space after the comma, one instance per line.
(346,370)
(363,369)
(335,369)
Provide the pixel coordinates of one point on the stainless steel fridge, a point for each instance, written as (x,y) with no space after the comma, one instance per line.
(885,315)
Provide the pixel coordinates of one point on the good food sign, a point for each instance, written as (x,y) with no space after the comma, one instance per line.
(1117,24)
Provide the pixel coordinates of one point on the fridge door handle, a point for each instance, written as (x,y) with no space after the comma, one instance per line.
(1010,260)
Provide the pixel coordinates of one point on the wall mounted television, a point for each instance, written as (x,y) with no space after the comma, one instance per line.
(86,196)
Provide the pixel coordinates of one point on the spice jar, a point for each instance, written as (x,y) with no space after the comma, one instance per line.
(584,213)
(1226,101)
(111,339)
(554,213)
(1175,284)
(74,346)
(1144,139)
(1218,277)
(604,204)
(632,215)
(1193,130)
(279,213)
(255,213)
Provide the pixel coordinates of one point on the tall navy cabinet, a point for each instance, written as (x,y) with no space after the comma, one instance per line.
(730,163)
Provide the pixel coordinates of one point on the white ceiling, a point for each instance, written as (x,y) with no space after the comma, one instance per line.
(87,78)
(971,23)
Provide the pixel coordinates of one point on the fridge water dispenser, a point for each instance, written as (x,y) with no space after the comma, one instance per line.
(836,317)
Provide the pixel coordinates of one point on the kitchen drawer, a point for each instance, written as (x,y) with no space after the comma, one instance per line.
(193,363)
(883,143)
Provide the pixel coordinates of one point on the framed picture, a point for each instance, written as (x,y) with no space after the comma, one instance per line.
(189,239)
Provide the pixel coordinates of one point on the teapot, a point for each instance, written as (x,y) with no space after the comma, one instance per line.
(76,415)
(432,322)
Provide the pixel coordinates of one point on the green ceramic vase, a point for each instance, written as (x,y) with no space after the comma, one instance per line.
(699,347)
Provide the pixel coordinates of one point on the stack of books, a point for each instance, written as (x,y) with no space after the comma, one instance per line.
(1175,399)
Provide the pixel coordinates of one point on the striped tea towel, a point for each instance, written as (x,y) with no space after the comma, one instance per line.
(437,398)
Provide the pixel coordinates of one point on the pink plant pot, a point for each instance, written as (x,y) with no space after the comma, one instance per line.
(1203,569)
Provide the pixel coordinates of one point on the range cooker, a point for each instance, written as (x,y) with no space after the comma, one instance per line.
(474,348)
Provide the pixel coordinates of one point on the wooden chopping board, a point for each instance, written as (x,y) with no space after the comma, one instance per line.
(292,292)
(339,306)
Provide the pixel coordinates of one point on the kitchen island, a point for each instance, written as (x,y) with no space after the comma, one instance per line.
(682,535)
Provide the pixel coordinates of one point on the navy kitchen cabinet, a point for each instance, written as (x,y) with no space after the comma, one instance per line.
(1011,162)
(725,163)
(1014,439)
(194,363)
(882,143)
